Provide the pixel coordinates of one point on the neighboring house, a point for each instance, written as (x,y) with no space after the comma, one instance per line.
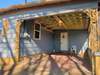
(46,27)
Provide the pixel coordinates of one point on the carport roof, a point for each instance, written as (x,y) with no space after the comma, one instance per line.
(70,21)
(27,6)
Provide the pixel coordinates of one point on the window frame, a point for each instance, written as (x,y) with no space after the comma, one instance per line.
(35,30)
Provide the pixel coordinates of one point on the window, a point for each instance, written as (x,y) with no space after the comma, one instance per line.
(37,31)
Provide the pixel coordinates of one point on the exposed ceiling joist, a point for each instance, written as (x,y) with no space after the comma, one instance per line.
(60,22)
(46,28)
(74,20)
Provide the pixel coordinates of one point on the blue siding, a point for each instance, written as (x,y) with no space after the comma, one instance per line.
(57,40)
(31,46)
(51,41)
(7,43)
(46,42)
(75,37)
(78,38)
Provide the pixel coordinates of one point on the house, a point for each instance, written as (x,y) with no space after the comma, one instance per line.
(48,27)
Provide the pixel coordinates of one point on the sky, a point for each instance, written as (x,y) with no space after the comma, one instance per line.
(7,3)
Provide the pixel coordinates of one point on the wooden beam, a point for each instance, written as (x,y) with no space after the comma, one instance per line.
(68,18)
(50,26)
(65,21)
(5,25)
(46,23)
(46,28)
(17,46)
(60,22)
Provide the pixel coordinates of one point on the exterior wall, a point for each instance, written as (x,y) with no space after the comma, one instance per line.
(31,45)
(50,41)
(7,43)
(7,40)
(76,37)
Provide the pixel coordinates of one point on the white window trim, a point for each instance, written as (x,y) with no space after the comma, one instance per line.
(38,31)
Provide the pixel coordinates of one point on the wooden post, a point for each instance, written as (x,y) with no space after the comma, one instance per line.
(98,57)
(5,22)
(5,26)
(17,46)
(98,26)
(93,43)
(92,13)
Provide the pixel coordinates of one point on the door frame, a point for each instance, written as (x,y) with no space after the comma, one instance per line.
(64,47)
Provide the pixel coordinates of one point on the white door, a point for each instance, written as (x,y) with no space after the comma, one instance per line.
(64,41)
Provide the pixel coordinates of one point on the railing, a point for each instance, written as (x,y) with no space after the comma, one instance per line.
(85,46)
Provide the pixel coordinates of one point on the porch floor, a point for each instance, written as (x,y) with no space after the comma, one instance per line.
(53,64)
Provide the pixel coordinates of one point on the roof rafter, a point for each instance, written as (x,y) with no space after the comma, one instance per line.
(60,21)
